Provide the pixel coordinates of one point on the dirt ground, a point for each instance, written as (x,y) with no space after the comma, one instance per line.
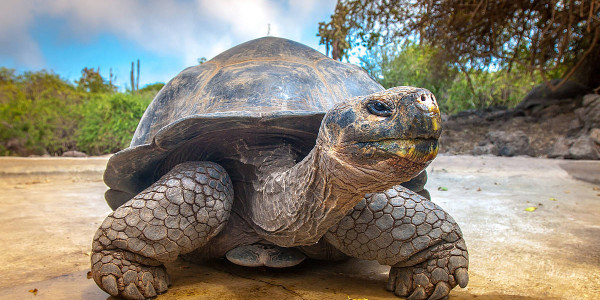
(51,207)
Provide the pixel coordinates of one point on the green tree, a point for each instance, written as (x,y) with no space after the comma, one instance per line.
(8,86)
(38,113)
(333,34)
(408,64)
(549,37)
(91,81)
(419,65)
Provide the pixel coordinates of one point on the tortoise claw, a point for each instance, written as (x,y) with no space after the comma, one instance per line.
(418,294)
(462,277)
(109,282)
(441,290)
(132,292)
(432,279)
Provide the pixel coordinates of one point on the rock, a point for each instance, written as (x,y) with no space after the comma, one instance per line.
(595,135)
(504,143)
(74,153)
(584,148)
(549,112)
(485,149)
(590,113)
(560,149)
(575,127)
(446,143)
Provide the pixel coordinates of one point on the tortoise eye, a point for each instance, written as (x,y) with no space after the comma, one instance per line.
(379,108)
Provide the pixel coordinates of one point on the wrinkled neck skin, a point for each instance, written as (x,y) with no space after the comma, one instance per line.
(296,206)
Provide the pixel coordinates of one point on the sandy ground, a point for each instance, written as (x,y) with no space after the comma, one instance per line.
(51,207)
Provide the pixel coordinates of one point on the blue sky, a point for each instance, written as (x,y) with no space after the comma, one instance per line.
(167,36)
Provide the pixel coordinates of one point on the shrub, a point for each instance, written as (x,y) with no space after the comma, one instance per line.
(41,113)
(109,122)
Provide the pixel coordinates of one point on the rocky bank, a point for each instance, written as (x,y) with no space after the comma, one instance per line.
(553,126)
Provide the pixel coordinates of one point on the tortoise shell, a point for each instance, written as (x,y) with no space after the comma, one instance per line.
(266,91)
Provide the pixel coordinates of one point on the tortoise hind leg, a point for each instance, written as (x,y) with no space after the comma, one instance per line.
(176,215)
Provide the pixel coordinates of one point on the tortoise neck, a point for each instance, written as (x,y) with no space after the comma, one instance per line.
(298,205)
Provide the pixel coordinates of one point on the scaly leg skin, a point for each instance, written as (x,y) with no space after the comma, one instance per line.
(421,242)
(177,214)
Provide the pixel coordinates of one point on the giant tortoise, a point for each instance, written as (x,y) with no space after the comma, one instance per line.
(270,153)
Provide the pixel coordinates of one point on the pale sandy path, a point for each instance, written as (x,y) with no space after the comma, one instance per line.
(51,207)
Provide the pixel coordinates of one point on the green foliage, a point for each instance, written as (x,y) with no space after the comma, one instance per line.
(109,121)
(152,88)
(456,90)
(333,34)
(37,113)
(92,82)
(41,113)
(541,37)
(408,64)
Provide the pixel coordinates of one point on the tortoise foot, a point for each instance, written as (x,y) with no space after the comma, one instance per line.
(258,255)
(118,275)
(434,278)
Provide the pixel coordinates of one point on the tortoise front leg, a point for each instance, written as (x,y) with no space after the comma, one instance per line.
(422,243)
(176,215)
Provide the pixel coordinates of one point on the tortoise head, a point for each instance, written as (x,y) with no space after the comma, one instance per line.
(392,135)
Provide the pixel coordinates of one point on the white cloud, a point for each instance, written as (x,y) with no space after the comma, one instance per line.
(184,29)
(243,18)
(15,41)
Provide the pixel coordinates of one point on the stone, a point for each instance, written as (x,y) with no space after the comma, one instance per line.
(591,111)
(486,149)
(595,135)
(74,153)
(560,148)
(574,127)
(505,144)
(583,148)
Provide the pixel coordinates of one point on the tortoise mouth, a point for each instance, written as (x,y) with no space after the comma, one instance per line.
(414,149)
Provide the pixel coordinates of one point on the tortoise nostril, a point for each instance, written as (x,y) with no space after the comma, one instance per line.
(426,102)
